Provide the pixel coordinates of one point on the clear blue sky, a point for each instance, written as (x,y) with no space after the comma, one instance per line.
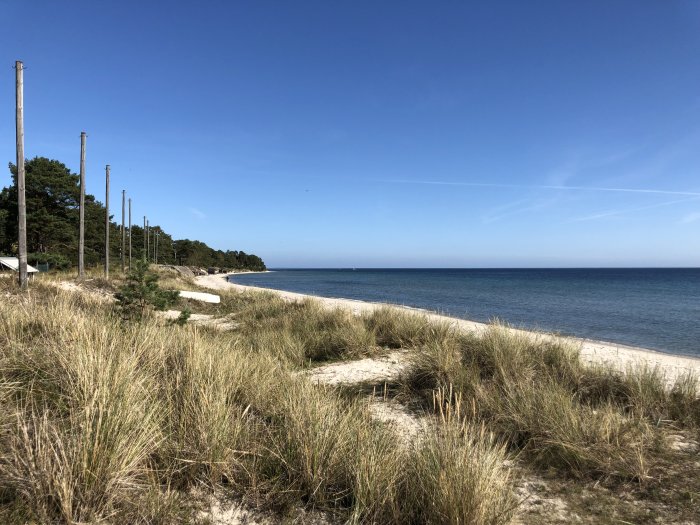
(365,133)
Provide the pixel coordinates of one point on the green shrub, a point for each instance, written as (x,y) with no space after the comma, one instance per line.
(181,320)
(141,293)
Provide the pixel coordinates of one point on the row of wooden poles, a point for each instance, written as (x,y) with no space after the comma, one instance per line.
(22,205)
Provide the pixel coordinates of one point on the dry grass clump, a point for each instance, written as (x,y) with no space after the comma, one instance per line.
(555,431)
(86,417)
(306,330)
(208,430)
(458,476)
(396,329)
(379,478)
(683,400)
(536,394)
(312,332)
(255,308)
(319,445)
(103,420)
(330,334)
(327,451)
(644,391)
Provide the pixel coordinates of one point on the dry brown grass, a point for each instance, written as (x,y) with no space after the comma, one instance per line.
(103,420)
(537,395)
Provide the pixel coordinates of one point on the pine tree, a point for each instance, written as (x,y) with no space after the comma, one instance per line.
(141,293)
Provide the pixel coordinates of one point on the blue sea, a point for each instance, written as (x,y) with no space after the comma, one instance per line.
(654,308)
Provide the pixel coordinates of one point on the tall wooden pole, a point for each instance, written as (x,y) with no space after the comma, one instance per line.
(144,238)
(129,233)
(21,201)
(107,221)
(148,241)
(81,238)
(123,231)
(157,237)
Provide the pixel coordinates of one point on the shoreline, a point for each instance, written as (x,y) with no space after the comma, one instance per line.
(618,356)
(242,272)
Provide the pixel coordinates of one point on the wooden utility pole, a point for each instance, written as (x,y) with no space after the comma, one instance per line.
(148,241)
(144,238)
(107,221)
(129,233)
(81,237)
(21,202)
(123,231)
(156,255)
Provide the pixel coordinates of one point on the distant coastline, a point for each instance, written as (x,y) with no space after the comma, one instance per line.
(238,272)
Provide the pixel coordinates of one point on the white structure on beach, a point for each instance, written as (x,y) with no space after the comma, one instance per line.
(201,296)
(12,264)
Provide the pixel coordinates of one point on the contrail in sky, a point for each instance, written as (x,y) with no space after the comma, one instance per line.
(543,187)
(612,213)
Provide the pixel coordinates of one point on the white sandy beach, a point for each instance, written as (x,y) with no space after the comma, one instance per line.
(615,355)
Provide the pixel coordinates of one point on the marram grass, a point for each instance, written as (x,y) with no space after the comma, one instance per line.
(107,421)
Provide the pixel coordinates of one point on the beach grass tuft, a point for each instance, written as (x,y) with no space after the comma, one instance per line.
(545,403)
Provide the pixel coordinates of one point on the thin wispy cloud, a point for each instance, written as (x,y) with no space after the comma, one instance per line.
(625,190)
(516,208)
(198,213)
(505,210)
(663,153)
(690,218)
(581,163)
(545,187)
(613,213)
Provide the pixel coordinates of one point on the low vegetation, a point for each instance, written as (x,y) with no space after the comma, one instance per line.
(141,293)
(585,420)
(584,425)
(102,420)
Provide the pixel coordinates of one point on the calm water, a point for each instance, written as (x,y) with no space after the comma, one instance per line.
(652,308)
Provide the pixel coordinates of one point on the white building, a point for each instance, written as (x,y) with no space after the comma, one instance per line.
(11,264)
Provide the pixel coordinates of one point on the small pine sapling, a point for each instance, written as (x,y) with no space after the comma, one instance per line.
(141,293)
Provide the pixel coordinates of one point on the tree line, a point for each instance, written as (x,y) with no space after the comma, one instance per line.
(53,199)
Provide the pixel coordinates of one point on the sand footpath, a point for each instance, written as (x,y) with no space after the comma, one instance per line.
(615,355)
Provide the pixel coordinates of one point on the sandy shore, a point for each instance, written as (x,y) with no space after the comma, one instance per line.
(615,355)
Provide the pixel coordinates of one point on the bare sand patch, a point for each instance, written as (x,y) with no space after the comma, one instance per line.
(370,370)
(219,323)
(409,427)
(223,510)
